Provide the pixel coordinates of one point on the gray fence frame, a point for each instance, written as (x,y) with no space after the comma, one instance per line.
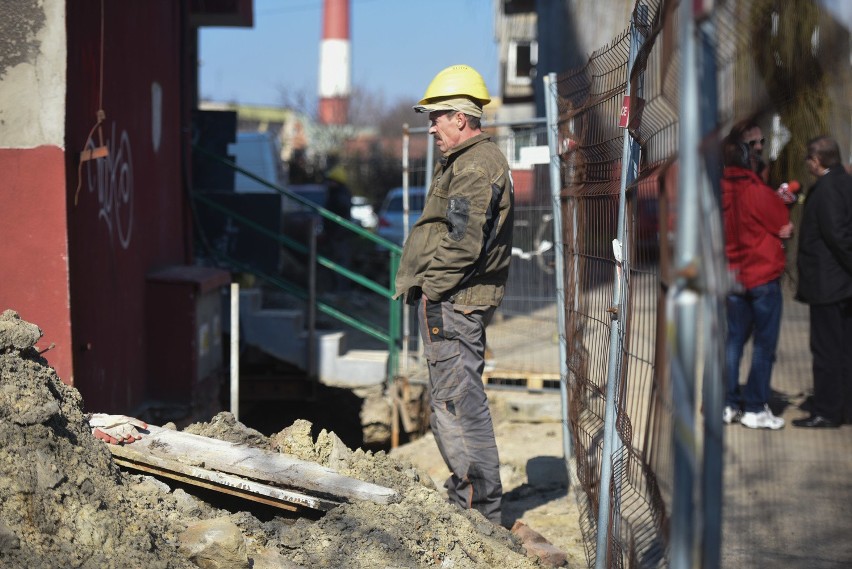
(686,530)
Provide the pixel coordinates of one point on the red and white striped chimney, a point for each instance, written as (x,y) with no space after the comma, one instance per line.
(334,80)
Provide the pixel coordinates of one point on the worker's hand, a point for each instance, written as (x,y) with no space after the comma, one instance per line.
(786,231)
(116,429)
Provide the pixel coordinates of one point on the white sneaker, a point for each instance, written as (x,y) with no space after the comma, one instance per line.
(762,420)
(731,415)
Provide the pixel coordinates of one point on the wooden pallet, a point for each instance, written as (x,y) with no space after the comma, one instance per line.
(520,379)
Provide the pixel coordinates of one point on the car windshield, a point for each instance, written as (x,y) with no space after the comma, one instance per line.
(415,203)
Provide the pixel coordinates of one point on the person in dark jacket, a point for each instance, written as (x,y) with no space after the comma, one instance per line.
(756,222)
(454,268)
(825,283)
(339,238)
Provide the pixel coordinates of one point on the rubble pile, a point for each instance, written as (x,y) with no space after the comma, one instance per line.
(65,503)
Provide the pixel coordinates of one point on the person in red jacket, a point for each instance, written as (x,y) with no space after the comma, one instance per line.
(756,223)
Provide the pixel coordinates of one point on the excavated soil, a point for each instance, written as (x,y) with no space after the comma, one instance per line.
(65,503)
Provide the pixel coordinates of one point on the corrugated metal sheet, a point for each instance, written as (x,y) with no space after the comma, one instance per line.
(129,218)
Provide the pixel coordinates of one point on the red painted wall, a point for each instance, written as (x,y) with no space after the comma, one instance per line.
(34,251)
(129,219)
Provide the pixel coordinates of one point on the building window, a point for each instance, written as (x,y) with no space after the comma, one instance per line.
(519,6)
(520,68)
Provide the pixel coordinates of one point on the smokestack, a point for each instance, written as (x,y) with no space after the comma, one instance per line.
(334,81)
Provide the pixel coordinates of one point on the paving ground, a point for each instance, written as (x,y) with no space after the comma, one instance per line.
(788,493)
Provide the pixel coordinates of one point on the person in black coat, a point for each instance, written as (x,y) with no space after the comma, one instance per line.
(825,283)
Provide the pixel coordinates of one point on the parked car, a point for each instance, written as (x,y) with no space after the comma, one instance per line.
(391,219)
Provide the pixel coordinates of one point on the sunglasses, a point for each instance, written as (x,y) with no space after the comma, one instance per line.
(752,143)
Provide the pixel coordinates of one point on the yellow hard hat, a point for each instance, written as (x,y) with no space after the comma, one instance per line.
(337,174)
(457,81)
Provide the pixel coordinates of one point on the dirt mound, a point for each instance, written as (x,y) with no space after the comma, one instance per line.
(64,502)
(422,530)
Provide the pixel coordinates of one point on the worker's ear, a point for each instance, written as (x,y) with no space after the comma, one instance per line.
(460,119)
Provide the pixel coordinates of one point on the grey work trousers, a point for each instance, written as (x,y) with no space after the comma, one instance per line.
(454,346)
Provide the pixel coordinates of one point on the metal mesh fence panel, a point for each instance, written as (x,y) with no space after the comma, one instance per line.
(590,101)
(523,339)
(796,40)
(590,104)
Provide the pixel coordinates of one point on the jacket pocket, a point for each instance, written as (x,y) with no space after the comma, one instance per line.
(445,373)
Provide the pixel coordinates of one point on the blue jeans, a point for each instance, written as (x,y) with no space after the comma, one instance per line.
(756,313)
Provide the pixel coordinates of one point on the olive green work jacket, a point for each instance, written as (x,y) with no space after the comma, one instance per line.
(459,250)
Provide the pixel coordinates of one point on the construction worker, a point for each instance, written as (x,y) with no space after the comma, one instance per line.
(454,267)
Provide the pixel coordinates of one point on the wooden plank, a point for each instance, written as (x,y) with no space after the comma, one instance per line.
(261,465)
(528,380)
(226,483)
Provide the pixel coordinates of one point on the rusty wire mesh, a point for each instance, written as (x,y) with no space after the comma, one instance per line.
(590,100)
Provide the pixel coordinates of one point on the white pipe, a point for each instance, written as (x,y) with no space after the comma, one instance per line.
(406,314)
(235,350)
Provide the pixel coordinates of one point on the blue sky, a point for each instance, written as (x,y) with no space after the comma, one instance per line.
(397,47)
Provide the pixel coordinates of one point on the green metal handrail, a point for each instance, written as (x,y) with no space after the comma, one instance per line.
(393,335)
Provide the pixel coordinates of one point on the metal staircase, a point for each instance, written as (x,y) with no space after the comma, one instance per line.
(290,334)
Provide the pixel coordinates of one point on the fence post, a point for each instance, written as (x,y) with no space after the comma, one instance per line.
(427,183)
(552,110)
(313,371)
(716,287)
(393,324)
(682,305)
(406,326)
(611,441)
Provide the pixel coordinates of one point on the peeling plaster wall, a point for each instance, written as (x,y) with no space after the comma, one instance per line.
(32,73)
(33,214)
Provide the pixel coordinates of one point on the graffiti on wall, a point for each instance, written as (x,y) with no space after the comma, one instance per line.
(112,178)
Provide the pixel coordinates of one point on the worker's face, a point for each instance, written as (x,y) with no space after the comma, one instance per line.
(445,126)
(754,138)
